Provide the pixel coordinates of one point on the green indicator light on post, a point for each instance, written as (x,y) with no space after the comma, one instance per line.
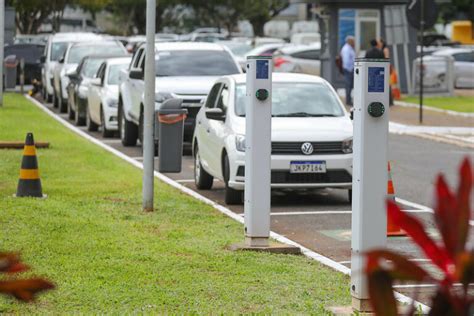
(262,94)
(376,109)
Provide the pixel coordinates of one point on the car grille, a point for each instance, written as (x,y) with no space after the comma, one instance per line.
(331,176)
(294,148)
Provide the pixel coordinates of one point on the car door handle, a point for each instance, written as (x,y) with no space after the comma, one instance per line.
(208,130)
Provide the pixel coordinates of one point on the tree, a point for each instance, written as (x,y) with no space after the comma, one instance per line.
(30,14)
(260,12)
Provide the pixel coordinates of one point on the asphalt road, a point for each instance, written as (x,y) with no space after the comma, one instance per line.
(320,219)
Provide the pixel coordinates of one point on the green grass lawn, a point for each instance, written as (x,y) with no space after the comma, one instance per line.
(458,104)
(105,255)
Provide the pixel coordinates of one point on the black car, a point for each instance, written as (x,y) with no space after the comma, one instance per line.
(79,85)
(31,53)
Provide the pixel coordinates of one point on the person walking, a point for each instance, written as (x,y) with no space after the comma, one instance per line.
(374,52)
(348,58)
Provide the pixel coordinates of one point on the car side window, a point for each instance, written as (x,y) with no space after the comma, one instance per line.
(465,57)
(211,99)
(307,54)
(223,101)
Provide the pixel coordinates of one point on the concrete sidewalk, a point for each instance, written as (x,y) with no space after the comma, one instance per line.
(436,126)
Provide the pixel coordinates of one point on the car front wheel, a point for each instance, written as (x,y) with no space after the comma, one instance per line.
(128,131)
(105,132)
(91,126)
(202,179)
(232,196)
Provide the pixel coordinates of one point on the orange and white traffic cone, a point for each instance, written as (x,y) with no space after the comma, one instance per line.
(392,229)
(395,89)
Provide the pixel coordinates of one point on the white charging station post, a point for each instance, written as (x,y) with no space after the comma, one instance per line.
(258,151)
(369,178)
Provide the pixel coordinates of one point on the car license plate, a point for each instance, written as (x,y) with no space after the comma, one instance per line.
(308,167)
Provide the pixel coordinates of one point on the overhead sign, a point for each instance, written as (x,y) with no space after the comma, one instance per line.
(430,13)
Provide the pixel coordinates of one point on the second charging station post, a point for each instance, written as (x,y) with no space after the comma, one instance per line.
(369,178)
(258,151)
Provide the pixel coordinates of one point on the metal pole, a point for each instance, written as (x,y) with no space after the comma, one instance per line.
(2,44)
(22,75)
(149,108)
(422,30)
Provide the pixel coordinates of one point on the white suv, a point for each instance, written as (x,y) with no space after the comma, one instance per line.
(311,136)
(183,70)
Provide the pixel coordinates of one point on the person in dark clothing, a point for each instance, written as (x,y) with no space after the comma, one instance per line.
(374,51)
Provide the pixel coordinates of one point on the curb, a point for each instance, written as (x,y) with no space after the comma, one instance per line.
(305,251)
(453,113)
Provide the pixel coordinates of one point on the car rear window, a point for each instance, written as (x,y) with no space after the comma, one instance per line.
(293,99)
(194,63)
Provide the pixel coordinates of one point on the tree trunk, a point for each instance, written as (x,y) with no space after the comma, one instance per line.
(258,23)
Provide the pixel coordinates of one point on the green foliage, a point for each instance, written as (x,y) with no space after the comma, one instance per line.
(107,256)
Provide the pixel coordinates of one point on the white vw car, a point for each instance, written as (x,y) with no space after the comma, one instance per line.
(311,136)
(102,96)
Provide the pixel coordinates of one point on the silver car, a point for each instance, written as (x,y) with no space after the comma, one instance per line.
(463,65)
(300,59)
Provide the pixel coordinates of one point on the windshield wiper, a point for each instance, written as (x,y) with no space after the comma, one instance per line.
(302,114)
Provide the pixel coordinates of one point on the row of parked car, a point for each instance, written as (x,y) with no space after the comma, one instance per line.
(98,84)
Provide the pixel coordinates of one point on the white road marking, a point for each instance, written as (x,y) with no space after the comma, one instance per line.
(305,251)
(422,207)
(413,260)
(111,141)
(325,212)
(412,286)
(191,180)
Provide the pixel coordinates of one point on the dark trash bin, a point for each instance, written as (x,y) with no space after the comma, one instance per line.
(10,65)
(169,129)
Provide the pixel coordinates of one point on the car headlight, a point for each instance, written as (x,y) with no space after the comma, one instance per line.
(240,143)
(347,146)
(112,102)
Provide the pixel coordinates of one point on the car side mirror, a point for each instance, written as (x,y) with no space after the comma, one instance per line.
(215,114)
(43,59)
(96,82)
(72,74)
(61,60)
(351,113)
(136,74)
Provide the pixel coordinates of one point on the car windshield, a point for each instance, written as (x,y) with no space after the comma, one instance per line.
(91,66)
(57,50)
(114,71)
(194,63)
(76,53)
(292,99)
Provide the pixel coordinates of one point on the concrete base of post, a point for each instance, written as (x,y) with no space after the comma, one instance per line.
(403,309)
(264,245)
(361,305)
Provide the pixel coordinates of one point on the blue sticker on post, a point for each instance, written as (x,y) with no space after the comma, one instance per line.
(376,79)
(262,69)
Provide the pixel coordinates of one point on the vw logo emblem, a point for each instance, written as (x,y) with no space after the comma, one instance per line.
(307,148)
